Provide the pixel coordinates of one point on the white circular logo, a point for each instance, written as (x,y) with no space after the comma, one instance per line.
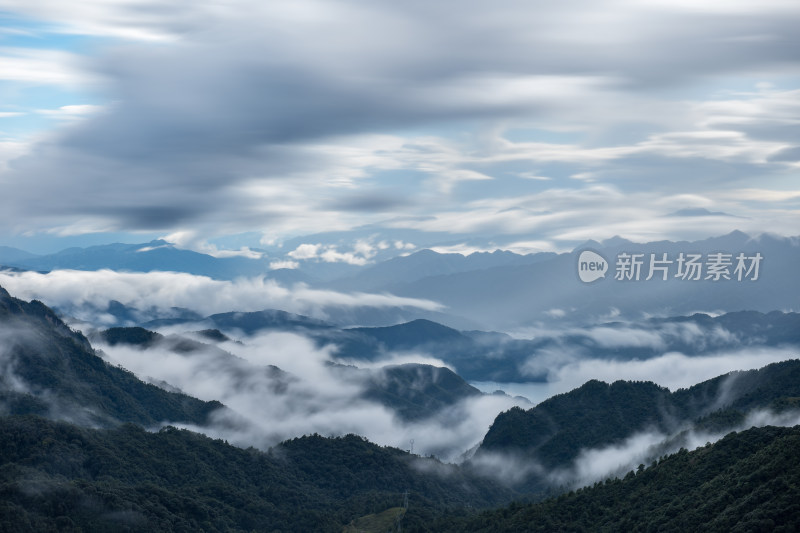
(591,266)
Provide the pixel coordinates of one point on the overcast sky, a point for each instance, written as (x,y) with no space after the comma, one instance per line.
(527,125)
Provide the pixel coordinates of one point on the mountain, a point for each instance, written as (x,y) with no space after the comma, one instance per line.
(51,370)
(597,414)
(59,477)
(425,263)
(748,481)
(411,334)
(593,415)
(513,296)
(246,322)
(491,356)
(10,256)
(147,257)
(417,391)
(412,391)
(501,290)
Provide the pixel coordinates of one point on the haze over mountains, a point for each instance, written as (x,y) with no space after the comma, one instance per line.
(371,267)
(500,290)
(241,363)
(405,353)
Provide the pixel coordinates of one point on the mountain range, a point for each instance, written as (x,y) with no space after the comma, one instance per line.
(75,454)
(499,290)
(493,356)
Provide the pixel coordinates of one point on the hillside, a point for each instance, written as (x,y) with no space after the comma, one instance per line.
(58,477)
(748,481)
(598,415)
(49,369)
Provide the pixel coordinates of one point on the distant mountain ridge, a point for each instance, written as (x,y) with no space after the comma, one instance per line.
(499,290)
(492,356)
(513,296)
(157,255)
(426,263)
(10,256)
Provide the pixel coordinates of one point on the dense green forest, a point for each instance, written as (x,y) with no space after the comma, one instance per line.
(63,377)
(599,414)
(98,469)
(59,477)
(748,481)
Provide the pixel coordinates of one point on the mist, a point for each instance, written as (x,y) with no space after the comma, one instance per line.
(307,395)
(645,447)
(86,292)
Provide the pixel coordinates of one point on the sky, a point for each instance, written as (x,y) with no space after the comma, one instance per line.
(529,126)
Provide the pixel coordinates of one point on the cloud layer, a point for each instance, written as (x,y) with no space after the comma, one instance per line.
(502,118)
(266,408)
(91,291)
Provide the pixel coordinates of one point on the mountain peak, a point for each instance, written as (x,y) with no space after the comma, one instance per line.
(616,240)
(698,212)
(591,243)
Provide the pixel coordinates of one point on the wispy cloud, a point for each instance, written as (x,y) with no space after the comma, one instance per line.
(567,370)
(374,113)
(266,408)
(92,291)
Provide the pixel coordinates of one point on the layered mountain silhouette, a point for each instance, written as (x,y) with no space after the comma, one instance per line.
(499,290)
(492,356)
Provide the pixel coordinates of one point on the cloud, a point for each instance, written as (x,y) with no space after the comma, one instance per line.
(565,217)
(568,370)
(600,463)
(43,67)
(71,112)
(597,464)
(266,408)
(363,251)
(608,337)
(275,265)
(324,115)
(397,358)
(191,240)
(506,468)
(84,291)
